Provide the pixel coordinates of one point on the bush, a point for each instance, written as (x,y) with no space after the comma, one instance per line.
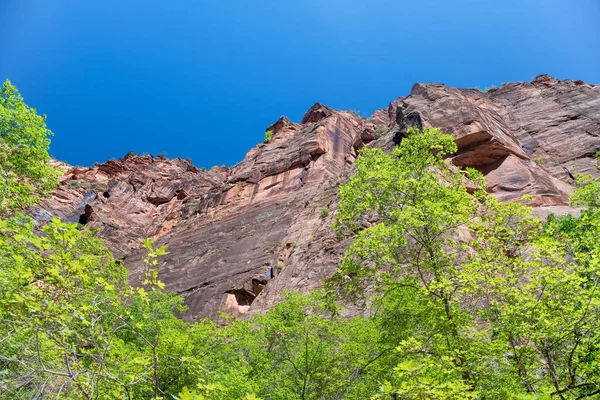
(324,212)
(538,161)
(268,136)
(280,265)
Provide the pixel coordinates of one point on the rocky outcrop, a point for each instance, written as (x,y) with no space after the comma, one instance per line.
(556,122)
(129,199)
(486,140)
(240,236)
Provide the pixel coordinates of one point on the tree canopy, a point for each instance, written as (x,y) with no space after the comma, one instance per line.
(484,300)
(24,168)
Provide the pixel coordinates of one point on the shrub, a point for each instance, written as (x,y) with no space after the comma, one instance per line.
(268,136)
(324,212)
(538,161)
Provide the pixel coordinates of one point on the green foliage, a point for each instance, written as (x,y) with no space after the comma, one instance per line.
(324,212)
(98,187)
(151,262)
(588,192)
(280,265)
(484,300)
(299,350)
(268,136)
(538,161)
(415,241)
(73,326)
(421,376)
(24,162)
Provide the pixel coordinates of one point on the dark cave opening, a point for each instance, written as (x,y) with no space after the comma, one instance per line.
(83,219)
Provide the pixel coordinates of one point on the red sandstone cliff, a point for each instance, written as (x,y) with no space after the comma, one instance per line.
(239,236)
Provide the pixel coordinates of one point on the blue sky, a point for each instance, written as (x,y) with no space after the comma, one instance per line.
(203,79)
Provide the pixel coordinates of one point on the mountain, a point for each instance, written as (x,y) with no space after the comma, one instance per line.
(239,236)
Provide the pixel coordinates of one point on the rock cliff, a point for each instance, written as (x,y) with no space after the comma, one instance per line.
(240,236)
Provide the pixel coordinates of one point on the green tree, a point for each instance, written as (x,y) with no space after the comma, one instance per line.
(421,376)
(25,173)
(483,299)
(73,327)
(55,289)
(304,352)
(537,287)
(297,350)
(411,206)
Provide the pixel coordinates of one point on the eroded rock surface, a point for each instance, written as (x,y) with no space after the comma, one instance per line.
(557,122)
(240,236)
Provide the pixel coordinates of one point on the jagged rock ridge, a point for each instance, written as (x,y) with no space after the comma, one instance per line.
(239,236)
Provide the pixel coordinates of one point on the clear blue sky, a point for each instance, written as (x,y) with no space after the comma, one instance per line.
(203,79)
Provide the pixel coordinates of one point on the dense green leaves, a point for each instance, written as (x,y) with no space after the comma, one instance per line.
(72,326)
(24,170)
(485,300)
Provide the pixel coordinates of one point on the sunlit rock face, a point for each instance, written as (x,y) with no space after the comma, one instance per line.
(555,121)
(240,236)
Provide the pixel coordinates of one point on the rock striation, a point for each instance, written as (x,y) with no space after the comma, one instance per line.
(240,236)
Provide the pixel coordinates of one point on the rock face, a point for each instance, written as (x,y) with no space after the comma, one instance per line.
(129,199)
(555,121)
(240,236)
